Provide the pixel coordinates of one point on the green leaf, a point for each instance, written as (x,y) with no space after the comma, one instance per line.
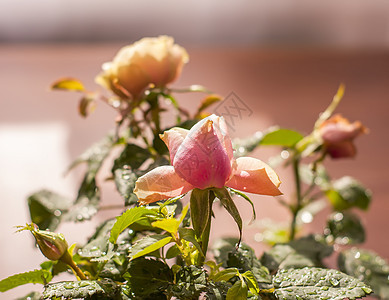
(345,228)
(172,252)
(225,274)
(238,291)
(245,260)
(148,277)
(46,209)
(36,276)
(83,289)
(149,244)
(251,282)
(244,196)
(132,156)
(200,209)
(226,200)
(190,282)
(98,243)
(368,267)
(347,192)
(308,251)
(188,234)
(247,145)
(87,202)
(69,84)
(281,137)
(129,217)
(207,102)
(169,225)
(125,183)
(317,283)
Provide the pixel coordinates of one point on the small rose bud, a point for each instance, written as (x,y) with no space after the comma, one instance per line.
(52,245)
(338,135)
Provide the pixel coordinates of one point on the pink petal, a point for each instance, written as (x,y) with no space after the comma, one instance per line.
(202,159)
(222,133)
(173,138)
(159,184)
(254,176)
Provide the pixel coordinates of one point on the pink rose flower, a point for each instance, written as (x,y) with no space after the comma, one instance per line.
(338,135)
(203,158)
(156,61)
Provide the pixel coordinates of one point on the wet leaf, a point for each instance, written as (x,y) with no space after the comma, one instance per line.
(82,289)
(148,277)
(347,192)
(225,274)
(46,209)
(345,228)
(36,276)
(308,251)
(191,281)
(245,260)
(368,267)
(317,283)
(69,84)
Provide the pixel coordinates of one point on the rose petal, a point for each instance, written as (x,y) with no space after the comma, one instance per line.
(345,149)
(223,135)
(159,184)
(202,159)
(254,176)
(173,138)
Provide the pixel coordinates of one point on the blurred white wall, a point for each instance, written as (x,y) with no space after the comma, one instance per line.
(350,23)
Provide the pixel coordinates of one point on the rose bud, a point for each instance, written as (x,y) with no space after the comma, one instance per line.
(338,135)
(149,61)
(52,245)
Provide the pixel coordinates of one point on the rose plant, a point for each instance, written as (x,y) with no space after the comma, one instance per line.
(158,248)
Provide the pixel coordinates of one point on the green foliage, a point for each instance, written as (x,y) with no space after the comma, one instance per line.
(129,217)
(47,209)
(85,289)
(308,251)
(238,291)
(125,170)
(368,267)
(345,228)
(148,278)
(149,244)
(281,137)
(36,276)
(315,283)
(347,192)
(190,282)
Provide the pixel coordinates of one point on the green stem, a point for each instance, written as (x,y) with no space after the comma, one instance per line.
(296,209)
(67,259)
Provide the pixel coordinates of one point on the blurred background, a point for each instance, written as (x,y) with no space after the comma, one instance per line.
(283,59)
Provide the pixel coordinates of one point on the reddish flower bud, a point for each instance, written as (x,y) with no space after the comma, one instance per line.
(338,135)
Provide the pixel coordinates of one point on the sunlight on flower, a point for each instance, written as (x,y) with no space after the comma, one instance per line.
(149,61)
(203,158)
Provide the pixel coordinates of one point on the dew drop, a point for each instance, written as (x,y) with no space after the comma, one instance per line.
(334,281)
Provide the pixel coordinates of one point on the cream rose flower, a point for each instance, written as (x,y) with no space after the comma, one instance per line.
(156,61)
